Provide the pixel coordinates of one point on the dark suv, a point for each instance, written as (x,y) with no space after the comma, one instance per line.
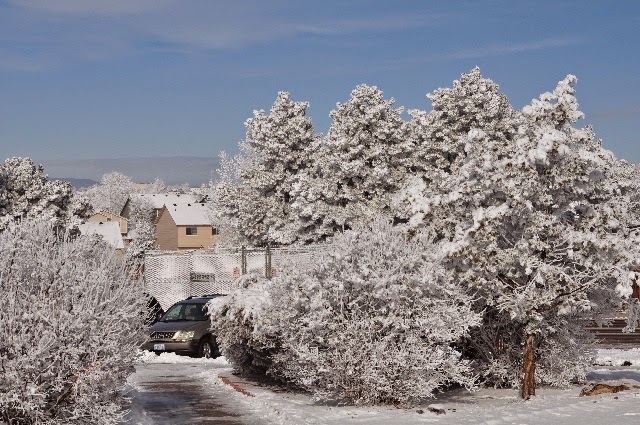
(184,329)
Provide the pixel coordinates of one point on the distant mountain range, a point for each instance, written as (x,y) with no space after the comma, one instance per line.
(77,183)
(172,170)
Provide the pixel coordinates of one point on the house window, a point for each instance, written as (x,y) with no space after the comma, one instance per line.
(192,231)
(215,231)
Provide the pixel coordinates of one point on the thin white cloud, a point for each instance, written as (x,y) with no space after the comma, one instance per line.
(505,48)
(380,24)
(207,24)
(93,7)
(227,27)
(628,111)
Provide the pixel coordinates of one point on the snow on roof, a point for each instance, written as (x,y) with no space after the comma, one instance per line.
(189,214)
(109,230)
(158,200)
(109,213)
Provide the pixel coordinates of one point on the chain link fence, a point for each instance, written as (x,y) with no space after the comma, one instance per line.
(171,276)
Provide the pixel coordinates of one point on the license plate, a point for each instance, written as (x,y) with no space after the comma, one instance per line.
(158,347)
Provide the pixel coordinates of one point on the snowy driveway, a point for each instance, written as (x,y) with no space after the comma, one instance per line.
(181,393)
(178,390)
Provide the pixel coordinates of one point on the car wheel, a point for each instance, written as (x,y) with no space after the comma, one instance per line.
(206,349)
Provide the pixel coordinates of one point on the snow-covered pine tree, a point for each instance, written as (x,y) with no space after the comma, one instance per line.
(70,327)
(627,206)
(438,135)
(525,224)
(26,192)
(364,160)
(252,197)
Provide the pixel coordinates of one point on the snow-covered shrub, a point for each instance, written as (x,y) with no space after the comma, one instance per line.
(240,332)
(141,230)
(70,326)
(373,320)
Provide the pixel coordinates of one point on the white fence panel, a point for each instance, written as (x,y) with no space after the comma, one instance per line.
(173,276)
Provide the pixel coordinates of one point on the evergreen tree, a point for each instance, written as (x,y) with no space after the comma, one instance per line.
(364,160)
(525,224)
(252,197)
(26,192)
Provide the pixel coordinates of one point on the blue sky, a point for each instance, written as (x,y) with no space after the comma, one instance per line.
(114,79)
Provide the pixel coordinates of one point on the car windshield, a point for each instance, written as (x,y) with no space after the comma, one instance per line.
(185,312)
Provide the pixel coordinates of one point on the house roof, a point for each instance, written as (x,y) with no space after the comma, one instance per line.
(109,230)
(189,214)
(158,200)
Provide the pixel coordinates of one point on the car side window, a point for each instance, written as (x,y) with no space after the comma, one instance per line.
(190,312)
(174,313)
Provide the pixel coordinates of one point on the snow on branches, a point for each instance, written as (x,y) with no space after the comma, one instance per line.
(111,193)
(26,193)
(70,327)
(364,159)
(531,217)
(372,319)
(524,221)
(252,197)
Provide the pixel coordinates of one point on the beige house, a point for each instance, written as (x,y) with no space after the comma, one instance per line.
(108,230)
(185,226)
(106,216)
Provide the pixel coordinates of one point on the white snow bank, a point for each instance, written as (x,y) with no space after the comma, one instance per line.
(147,357)
(616,357)
(486,406)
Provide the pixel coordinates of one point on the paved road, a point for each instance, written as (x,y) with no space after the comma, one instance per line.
(176,394)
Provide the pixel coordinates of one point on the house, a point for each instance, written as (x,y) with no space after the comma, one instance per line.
(185,226)
(109,230)
(105,216)
(157,201)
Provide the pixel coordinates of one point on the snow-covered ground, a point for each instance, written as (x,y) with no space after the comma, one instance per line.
(267,404)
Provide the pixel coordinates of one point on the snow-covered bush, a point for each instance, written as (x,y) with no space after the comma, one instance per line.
(239,323)
(70,326)
(371,320)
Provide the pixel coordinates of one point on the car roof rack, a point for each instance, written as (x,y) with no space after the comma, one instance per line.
(204,296)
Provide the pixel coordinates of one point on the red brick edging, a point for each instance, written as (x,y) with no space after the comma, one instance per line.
(236,387)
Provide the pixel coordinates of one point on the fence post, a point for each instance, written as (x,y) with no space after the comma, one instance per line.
(243,260)
(267,262)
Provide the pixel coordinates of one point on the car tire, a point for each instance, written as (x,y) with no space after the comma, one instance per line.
(206,349)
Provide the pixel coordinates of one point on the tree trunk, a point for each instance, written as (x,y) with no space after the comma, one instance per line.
(529,367)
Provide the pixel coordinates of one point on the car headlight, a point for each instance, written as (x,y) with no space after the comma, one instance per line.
(184,335)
